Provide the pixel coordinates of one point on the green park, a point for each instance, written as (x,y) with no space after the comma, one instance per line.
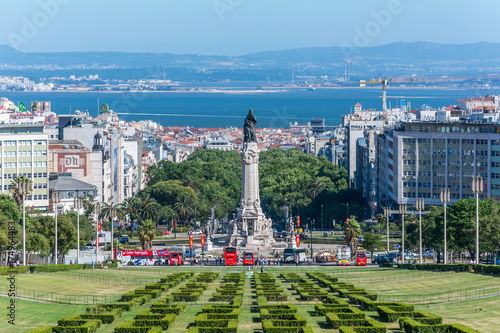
(392,296)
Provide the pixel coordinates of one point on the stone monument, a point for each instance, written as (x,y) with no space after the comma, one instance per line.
(251,228)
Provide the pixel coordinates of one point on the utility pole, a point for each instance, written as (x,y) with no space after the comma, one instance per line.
(402,212)
(419,205)
(387,213)
(477,188)
(445,198)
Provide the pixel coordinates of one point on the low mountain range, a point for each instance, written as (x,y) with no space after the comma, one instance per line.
(395,59)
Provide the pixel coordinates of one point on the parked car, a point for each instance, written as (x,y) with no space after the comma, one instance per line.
(303,236)
(382,259)
(340,238)
(123,240)
(196,232)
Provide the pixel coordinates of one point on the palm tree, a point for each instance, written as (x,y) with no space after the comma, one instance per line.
(20,186)
(146,234)
(147,207)
(315,188)
(352,232)
(184,206)
(131,208)
(109,211)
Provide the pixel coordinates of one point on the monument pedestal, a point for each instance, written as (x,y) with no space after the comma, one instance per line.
(251,228)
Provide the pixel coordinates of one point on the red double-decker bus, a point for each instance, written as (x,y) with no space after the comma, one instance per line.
(361,259)
(138,257)
(248,259)
(230,256)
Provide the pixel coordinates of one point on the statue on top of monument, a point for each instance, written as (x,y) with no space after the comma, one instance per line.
(249,128)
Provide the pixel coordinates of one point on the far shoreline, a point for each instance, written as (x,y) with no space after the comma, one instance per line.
(231,90)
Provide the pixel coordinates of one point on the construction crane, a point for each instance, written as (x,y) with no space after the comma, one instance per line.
(386,82)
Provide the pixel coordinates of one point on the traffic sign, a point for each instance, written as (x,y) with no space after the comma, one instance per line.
(375,247)
(396,246)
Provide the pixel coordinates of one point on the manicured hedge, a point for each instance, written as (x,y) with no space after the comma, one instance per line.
(411,325)
(164,300)
(129,327)
(345,317)
(322,309)
(168,308)
(393,313)
(232,327)
(372,326)
(125,306)
(274,311)
(107,317)
(75,323)
(371,305)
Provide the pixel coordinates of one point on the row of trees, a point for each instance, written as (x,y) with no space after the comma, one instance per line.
(309,185)
(40,229)
(460,225)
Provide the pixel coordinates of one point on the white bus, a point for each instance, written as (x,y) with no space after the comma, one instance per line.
(290,253)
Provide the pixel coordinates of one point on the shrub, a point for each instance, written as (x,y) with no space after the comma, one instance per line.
(345,317)
(168,308)
(392,313)
(411,325)
(372,326)
(130,327)
(107,317)
(322,309)
(71,324)
(125,306)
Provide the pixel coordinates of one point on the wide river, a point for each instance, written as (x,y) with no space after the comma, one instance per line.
(223,109)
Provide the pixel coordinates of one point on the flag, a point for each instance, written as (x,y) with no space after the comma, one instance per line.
(202,240)
(191,241)
(297,239)
(22,107)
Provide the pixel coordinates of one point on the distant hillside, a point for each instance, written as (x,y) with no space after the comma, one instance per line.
(401,50)
(395,59)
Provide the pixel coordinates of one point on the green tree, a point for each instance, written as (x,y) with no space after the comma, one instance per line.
(148,207)
(352,232)
(185,205)
(147,233)
(370,241)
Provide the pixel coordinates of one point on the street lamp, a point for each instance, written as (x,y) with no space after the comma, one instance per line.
(24,189)
(445,198)
(419,205)
(477,187)
(78,204)
(97,212)
(56,199)
(387,213)
(402,212)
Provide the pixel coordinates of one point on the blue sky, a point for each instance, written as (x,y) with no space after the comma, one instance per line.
(236,27)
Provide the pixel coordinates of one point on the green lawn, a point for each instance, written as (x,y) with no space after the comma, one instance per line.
(468,313)
(384,281)
(30,315)
(433,285)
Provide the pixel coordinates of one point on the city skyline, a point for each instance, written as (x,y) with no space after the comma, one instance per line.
(237,27)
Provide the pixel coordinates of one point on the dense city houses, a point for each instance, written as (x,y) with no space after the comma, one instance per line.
(391,156)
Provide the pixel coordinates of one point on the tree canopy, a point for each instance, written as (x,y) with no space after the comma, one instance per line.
(213,178)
